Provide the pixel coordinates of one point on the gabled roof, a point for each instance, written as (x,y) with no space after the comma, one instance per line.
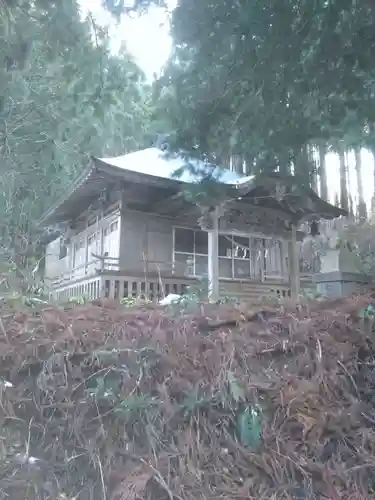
(287,193)
(157,163)
(154,167)
(150,166)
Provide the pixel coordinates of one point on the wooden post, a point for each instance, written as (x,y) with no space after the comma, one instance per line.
(283,260)
(102,287)
(86,245)
(101,237)
(213,258)
(294,278)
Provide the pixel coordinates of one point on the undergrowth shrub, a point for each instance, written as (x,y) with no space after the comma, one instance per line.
(360,240)
(20,287)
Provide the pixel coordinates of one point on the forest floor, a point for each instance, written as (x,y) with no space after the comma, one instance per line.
(99,401)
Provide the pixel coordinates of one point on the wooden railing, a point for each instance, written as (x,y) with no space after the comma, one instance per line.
(148,268)
(120,287)
(79,272)
(103,277)
(127,287)
(91,288)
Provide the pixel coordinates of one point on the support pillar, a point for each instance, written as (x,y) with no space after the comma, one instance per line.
(293,257)
(101,238)
(213,258)
(284,260)
(87,258)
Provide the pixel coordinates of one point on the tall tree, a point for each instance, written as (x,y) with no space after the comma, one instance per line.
(362,210)
(63,97)
(238,163)
(344,196)
(313,167)
(323,172)
(373,196)
(277,75)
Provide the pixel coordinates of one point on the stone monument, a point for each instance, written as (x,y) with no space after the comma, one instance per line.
(339,275)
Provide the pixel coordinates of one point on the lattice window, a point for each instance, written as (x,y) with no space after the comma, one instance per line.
(239,256)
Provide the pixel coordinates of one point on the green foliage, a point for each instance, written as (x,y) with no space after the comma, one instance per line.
(192,298)
(128,301)
(136,404)
(367,313)
(359,242)
(20,287)
(104,386)
(134,301)
(265,81)
(78,300)
(236,391)
(197,292)
(63,97)
(118,7)
(268,71)
(195,400)
(310,294)
(249,427)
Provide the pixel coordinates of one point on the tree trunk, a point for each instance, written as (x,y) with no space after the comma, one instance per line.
(337,200)
(323,173)
(344,198)
(238,164)
(223,155)
(284,163)
(362,209)
(373,196)
(351,206)
(223,160)
(349,187)
(302,166)
(249,165)
(314,170)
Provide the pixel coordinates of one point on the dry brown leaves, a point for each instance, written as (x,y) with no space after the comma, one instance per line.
(118,404)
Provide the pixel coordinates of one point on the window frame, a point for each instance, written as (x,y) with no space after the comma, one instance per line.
(96,232)
(193,254)
(250,237)
(79,244)
(63,251)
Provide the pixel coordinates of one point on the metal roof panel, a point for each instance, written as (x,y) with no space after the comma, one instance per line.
(158,163)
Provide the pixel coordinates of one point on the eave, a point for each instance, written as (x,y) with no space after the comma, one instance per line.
(298,203)
(97,177)
(298,200)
